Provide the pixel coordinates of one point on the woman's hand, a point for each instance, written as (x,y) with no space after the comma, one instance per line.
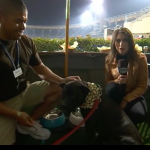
(122,79)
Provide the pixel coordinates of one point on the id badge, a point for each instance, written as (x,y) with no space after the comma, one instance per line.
(18,72)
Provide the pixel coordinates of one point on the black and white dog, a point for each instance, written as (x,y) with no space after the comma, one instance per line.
(110,122)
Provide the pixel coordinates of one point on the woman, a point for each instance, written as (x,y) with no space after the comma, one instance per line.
(127,89)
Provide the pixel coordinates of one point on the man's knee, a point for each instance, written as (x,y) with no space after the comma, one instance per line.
(53,98)
(53,89)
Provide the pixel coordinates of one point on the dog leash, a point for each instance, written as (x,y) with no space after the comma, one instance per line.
(95,106)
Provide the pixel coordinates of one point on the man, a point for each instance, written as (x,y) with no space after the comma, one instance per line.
(17,53)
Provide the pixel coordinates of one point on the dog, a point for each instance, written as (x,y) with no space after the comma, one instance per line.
(108,125)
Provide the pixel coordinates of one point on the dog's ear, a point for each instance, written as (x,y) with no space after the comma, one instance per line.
(85,89)
(62,85)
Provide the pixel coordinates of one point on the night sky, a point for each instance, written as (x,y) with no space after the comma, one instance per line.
(52,12)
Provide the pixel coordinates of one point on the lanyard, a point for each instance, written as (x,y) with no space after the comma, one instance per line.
(18,55)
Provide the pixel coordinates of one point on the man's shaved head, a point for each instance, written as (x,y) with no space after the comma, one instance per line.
(7,6)
(13,19)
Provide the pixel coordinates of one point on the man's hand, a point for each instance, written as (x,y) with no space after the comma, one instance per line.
(122,79)
(123,104)
(71,78)
(46,74)
(24,119)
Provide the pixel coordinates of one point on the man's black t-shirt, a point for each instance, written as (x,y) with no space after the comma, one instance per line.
(28,57)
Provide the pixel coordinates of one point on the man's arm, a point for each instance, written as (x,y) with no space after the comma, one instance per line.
(46,74)
(8,112)
(21,117)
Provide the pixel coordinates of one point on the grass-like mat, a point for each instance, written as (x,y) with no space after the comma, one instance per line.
(144,130)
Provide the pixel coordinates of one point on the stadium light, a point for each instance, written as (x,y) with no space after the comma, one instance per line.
(86,17)
(96,6)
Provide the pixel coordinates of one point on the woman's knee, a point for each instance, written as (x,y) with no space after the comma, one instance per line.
(137,110)
(139,105)
(137,118)
(111,88)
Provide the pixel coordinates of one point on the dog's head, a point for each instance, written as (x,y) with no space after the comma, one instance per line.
(74,94)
